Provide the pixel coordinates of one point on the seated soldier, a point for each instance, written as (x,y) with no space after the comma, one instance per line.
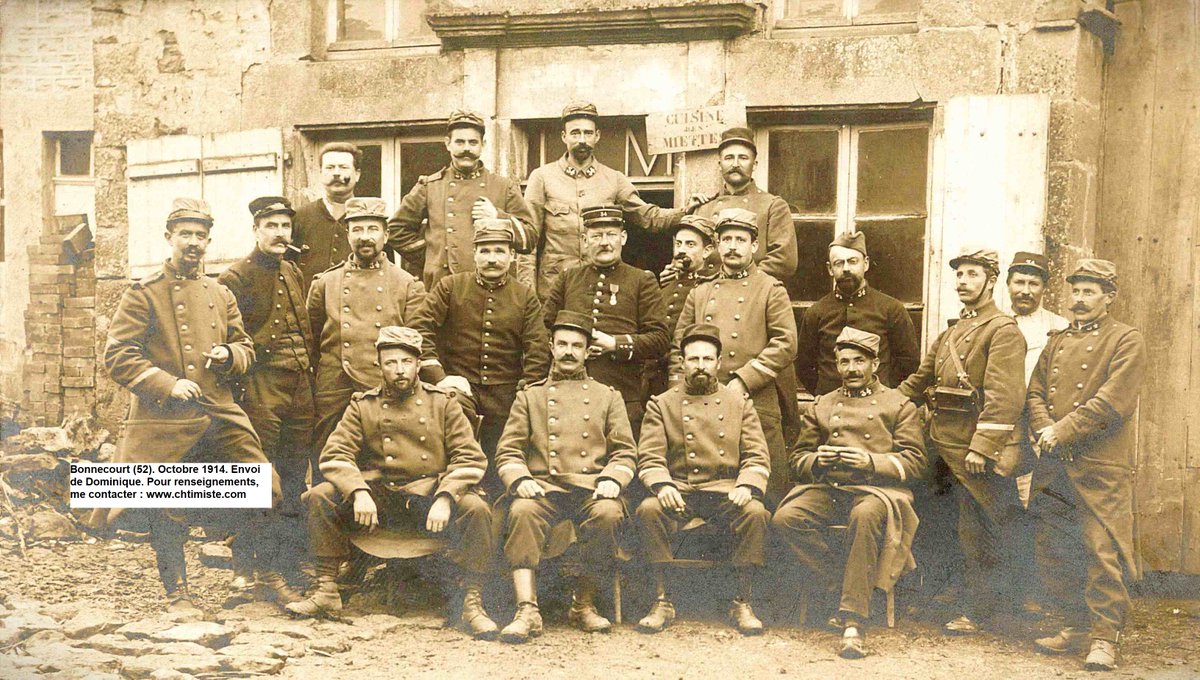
(695,469)
(405,452)
(859,447)
(566,453)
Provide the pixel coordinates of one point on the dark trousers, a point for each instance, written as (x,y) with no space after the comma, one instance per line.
(780,481)
(1080,566)
(748,524)
(598,521)
(332,399)
(280,404)
(801,526)
(469,533)
(493,403)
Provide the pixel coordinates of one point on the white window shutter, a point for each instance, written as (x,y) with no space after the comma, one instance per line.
(988,186)
(227,169)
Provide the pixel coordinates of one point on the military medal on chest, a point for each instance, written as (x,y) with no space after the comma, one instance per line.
(612,293)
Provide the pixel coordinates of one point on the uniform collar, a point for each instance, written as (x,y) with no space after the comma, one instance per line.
(352,262)
(985,310)
(750,188)
(489,285)
(264,260)
(473,174)
(558,376)
(572,171)
(1089,326)
(739,275)
(172,271)
(861,292)
(608,269)
(861,392)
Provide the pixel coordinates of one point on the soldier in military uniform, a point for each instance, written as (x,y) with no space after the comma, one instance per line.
(853,302)
(860,448)
(694,262)
(175,339)
(696,469)
(1083,391)
(348,304)
(320,226)
(758,330)
(557,192)
(625,305)
(485,334)
(403,456)
(278,389)
(737,156)
(451,199)
(973,381)
(566,453)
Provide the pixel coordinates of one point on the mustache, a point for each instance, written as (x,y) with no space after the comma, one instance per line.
(1078,307)
(281,241)
(466,154)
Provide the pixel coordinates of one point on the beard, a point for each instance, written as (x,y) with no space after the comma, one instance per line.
(700,382)
(581,152)
(848,283)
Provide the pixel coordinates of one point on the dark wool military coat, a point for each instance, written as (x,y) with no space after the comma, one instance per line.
(271,297)
(327,239)
(777,252)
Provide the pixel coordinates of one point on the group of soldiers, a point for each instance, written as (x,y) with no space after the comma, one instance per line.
(523,382)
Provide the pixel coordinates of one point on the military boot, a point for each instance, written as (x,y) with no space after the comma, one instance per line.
(325,602)
(585,617)
(273,586)
(526,623)
(474,619)
(1068,639)
(742,616)
(661,615)
(1102,656)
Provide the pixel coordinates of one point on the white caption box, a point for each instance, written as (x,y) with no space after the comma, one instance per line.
(171,485)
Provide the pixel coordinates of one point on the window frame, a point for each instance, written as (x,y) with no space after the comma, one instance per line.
(390,181)
(849,17)
(392,15)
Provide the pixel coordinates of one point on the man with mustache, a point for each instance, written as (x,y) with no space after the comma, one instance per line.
(853,302)
(624,302)
(403,457)
(758,330)
(973,381)
(860,448)
(694,261)
(557,192)
(175,339)
(348,304)
(703,456)
(320,226)
(1083,392)
(566,453)
(485,334)
(279,391)
(450,200)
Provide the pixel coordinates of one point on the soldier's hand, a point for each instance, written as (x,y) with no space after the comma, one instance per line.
(185,390)
(602,342)
(855,460)
(695,201)
(736,384)
(740,495)
(607,488)
(219,354)
(668,274)
(483,209)
(825,458)
(456,382)
(1047,440)
(366,515)
(439,514)
(670,498)
(976,463)
(530,489)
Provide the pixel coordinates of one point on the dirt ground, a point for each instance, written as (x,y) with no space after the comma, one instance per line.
(1163,641)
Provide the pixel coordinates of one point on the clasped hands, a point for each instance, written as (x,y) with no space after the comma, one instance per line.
(366,513)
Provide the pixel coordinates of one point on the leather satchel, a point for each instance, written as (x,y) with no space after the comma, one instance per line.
(963,399)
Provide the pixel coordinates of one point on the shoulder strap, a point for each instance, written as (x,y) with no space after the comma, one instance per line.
(963,379)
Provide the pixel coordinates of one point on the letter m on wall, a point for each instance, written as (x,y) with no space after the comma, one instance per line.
(227,169)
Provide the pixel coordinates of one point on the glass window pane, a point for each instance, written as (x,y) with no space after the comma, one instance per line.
(897,251)
(362,19)
(885,9)
(814,9)
(811,281)
(802,168)
(75,156)
(412,20)
(891,171)
(419,158)
(370,178)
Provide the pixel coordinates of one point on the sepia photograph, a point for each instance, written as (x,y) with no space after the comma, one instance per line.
(664,339)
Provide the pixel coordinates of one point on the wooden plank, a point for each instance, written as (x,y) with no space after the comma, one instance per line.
(230,185)
(150,195)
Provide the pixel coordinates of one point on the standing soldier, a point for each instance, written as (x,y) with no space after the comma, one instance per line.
(348,304)
(320,226)
(279,389)
(1083,392)
(625,305)
(566,453)
(855,303)
(694,243)
(972,379)
(695,471)
(382,469)
(557,191)
(451,200)
(175,337)
(485,334)
(737,157)
(860,448)
(758,330)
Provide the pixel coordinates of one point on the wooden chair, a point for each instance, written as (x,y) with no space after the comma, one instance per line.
(560,539)
(890,593)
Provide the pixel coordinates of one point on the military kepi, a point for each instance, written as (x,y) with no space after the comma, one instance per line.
(1100,271)
(985,257)
(701,225)
(854,240)
(737,218)
(1031,263)
(270,205)
(861,340)
(701,331)
(399,336)
(603,216)
(493,230)
(577,321)
(580,109)
(737,135)
(366,207)
(190,209)
(465,119)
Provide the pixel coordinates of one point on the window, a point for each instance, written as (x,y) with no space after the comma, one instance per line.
(390,164)
(74,155)
(73,184)
(372,24)
(839,178)
(847,12)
